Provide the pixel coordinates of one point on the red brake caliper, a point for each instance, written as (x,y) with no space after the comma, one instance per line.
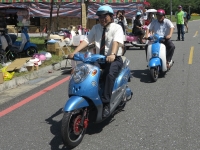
(77,127)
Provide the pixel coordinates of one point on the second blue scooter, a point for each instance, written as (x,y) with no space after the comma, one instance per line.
(156,57)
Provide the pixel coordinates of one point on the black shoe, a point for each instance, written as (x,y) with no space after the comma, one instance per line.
(182,39)
(178,40)
(106,110)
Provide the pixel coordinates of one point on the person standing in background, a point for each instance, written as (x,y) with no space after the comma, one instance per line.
(186,21)
(149,18)
(121,19)
(179,15)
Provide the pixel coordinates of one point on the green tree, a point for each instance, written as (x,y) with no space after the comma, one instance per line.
(189,5)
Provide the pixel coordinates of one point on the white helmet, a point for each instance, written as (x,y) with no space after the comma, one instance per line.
(48,55)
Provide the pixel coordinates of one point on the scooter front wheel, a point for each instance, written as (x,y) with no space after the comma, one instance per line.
(154,73)
(72,131)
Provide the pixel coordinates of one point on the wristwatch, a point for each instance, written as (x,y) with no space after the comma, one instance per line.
(113,54)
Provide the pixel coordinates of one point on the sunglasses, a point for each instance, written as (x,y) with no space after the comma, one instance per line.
(159,15)
(103,16)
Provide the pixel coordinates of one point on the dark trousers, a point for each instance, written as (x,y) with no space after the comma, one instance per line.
(111,71)
(170,47)
(180,29)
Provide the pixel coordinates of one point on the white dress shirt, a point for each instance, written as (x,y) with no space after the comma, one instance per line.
(114,32)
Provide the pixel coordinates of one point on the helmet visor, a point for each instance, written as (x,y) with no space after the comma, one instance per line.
(160,14)
(102,13)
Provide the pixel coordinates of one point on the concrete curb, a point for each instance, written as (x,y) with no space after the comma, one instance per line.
(16,81)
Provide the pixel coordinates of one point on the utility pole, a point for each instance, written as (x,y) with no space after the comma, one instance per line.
(189,10)
(171,10)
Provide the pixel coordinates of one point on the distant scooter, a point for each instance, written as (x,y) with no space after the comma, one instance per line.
(8,51)
(25,46)
(156,56)
(133,40)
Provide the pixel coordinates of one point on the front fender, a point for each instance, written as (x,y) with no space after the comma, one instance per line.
(75,102)
(28,44)
(154,62)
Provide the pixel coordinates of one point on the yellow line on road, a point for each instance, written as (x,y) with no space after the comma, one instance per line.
(191,55)
(195,34)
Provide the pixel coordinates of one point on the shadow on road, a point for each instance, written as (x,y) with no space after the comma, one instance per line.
(55,128)
(95,128)
(143,75)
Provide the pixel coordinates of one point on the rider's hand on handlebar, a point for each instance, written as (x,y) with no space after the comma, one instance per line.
(146,37)
(70,56)
(167,37)
(110,58)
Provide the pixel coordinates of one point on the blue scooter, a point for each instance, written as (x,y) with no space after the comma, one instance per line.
(84,104)
(156,56)
(25,45)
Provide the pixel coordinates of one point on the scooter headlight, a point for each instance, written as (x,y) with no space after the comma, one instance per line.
(155,55)
(80,73)
(155,38)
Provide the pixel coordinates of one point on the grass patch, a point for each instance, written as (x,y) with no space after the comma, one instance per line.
(39,41)
(174,19)
(53,60)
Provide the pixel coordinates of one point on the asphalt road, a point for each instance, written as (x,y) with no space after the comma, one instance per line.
(164,115)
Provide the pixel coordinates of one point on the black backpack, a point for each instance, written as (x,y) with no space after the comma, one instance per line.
(188,16)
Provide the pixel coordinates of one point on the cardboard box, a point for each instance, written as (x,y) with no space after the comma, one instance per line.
(67,50)
(52,47)
(17,64)
(32,68)
(1,78)
(59,52)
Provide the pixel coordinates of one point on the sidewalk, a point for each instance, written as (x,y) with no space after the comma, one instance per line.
(17,81)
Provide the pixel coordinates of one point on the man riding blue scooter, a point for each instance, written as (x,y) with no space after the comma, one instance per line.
(163,27)
(108,38)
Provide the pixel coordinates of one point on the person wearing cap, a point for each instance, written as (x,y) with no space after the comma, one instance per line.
(179,15)
(163,27)
(112,48)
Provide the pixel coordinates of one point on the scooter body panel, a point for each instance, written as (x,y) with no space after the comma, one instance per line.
(154,62)
(28,45)
(75,103)
(156,55)
(25,44)
(88,87)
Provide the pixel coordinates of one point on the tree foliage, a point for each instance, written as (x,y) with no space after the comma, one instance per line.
(192,6)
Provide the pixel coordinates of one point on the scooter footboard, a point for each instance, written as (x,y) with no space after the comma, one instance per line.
(154,62)
(75,102)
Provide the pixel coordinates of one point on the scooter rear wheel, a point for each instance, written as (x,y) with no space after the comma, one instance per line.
(12,56)
(71,129)
(154,74)
(31,51)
